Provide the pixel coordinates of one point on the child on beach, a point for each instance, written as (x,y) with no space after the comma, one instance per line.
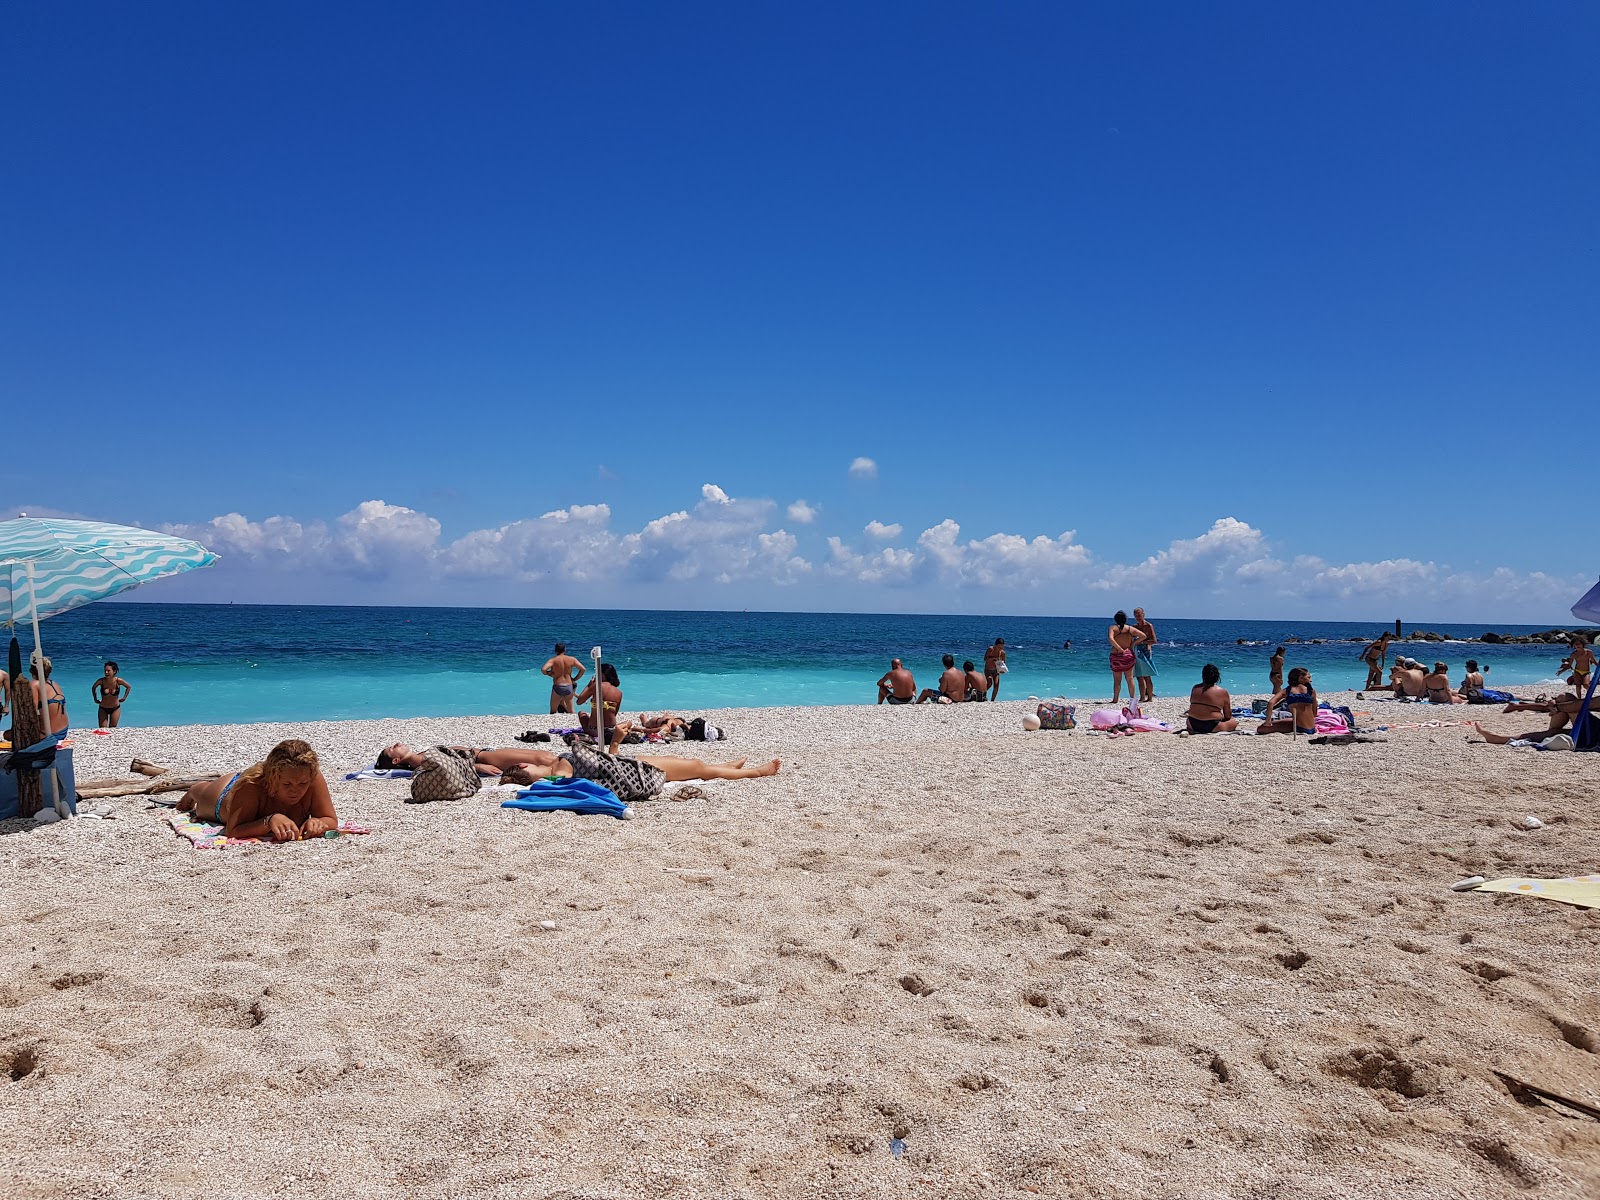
(283,798)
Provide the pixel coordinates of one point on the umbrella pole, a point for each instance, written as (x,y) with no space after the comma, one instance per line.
(44,693)
(602,743)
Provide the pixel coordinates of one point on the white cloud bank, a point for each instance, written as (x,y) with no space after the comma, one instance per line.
(690,556)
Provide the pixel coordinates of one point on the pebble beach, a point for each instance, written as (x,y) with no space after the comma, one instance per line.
(934,956)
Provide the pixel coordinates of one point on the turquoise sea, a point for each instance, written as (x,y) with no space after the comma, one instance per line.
(214,664)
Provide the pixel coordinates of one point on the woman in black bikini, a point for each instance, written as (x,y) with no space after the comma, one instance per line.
(1300,698)
(1438,685)
(1210,706)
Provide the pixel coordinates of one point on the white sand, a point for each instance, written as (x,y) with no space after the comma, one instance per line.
(1051,963)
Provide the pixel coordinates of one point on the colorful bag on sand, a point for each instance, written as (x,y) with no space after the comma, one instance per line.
(446,773)
(1057,714)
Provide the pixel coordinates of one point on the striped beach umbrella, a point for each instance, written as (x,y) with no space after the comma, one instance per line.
(49,567)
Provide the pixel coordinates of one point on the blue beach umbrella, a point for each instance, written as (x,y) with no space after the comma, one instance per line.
(49,567)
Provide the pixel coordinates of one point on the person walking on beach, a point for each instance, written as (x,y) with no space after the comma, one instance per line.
(994,666)
(1376,657)
(1582,661)
(1276,670)
(952,687)
(1124,638)
(1144,666)
(897,686)
(564,672)
(109,692)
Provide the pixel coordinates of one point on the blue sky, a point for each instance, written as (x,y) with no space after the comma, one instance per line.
(1253,310)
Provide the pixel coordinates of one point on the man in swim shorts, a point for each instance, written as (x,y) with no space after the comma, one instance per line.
(564,672)
(897,686)
(1144,667)
(977,685)
(952,685)
(109,691)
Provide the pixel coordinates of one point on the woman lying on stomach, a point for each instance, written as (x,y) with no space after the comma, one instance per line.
(284,797)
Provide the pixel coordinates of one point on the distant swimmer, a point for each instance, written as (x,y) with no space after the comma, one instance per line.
(1066,645)
(109,692)
(897,686)
(564,672)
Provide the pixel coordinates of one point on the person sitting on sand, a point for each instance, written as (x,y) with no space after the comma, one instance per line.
(952,687)
(1472,681)
(1300,698)
(1408,679)
(1210,706)
(55,699)
(897,686)
(977,685)
(1563,710)
(1438,686)
(284,797)
(610,706)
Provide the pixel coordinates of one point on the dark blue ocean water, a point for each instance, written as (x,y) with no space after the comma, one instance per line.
(210,664)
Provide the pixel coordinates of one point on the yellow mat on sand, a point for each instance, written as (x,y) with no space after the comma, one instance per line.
(1582,890)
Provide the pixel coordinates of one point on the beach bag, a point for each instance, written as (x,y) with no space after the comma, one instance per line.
(446,773)
(1057,714)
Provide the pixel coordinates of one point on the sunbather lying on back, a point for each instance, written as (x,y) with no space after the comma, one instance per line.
(631,778)
(489,762)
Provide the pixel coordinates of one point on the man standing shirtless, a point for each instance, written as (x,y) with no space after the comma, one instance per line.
(1144,667)
(564,672)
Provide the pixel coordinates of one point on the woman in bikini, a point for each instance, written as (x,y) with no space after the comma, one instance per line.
(1210,706)
(1123,638)
(1438,686)
(55,698)
(1300,698)
(610,705)
(488,762)
(283,798)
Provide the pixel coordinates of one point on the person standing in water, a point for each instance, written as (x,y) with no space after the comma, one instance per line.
(109,692)
(1276,670)
(564,672)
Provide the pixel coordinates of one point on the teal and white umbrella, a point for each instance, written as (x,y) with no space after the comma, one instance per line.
(49,567)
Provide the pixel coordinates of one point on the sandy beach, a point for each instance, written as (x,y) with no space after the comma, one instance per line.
(935,956)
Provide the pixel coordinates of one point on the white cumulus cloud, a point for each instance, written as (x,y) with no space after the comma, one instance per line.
(877,529)
(802,513)
(863,468)
(713,493)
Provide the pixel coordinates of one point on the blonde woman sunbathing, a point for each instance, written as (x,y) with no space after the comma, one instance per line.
(283,798)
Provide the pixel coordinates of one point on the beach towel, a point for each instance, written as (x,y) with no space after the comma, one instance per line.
(211,837)
(374,773)
(581,796)
(1581,890)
